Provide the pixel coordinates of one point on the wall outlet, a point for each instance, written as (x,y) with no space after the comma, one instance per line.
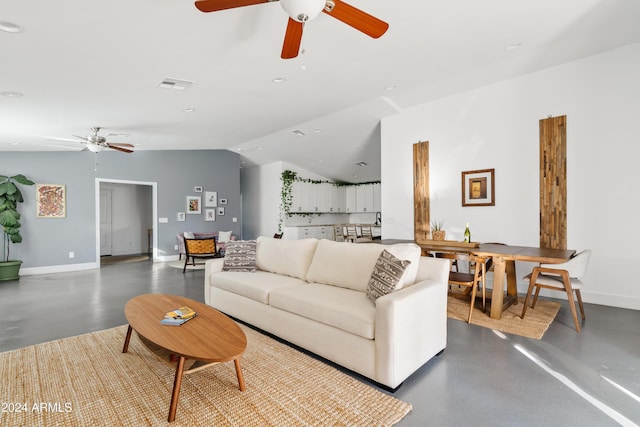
(235,219)
(175,247)
(72,255)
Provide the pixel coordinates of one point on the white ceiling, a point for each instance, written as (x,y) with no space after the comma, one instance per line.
(84,63)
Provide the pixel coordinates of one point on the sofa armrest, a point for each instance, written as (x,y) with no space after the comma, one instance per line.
(211,266)
(411,327)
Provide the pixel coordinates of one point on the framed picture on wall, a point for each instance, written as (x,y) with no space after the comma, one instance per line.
(223,201)
(478,188)
(51,201)
(197,189)
(220,211)
(194,205)
(209,214)
(211,199)
(181,217)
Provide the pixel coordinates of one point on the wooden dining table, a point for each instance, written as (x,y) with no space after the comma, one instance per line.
(504,265)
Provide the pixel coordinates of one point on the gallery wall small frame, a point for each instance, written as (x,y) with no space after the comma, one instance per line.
(194,205)
(51,201)
(210,199)
(209,214)
(478,188)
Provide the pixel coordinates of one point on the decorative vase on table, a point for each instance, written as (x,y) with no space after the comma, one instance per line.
(438,234)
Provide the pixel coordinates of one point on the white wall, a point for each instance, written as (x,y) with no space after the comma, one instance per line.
(497,126)
(261,200)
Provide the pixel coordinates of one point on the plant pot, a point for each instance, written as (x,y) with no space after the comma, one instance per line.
(9,270)
(438,234)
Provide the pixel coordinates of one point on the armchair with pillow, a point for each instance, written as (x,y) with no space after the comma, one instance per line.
(221,238)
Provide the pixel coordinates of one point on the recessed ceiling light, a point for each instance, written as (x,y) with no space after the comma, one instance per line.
(317,130)
(189,110)
(12,94)
(298,132)
(10,27)
(279,80)
(361,164)
(258,148)
(514,46)
(14,143)
(390,87)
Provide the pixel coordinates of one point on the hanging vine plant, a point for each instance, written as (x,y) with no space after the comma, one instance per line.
(286,196)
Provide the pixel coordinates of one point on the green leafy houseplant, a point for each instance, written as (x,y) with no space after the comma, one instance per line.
(286,196)
(10,197)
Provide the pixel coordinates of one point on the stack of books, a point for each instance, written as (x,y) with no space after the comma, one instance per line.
(178,317)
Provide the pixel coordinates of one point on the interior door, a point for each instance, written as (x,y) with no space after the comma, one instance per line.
(105,222)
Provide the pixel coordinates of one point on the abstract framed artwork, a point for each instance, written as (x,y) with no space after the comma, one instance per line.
(180,217)
(478,188)
(51,201)
(209,214)
(194,205)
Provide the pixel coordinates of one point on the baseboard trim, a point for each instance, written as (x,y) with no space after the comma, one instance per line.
(32,271)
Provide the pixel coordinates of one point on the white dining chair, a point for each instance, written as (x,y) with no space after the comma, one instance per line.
(566,277)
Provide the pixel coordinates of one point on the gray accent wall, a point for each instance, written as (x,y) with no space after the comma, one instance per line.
(48,241)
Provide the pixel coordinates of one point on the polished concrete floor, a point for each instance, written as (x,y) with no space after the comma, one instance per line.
(482,379)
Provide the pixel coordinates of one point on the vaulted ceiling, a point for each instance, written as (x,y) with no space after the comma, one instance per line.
(77,64)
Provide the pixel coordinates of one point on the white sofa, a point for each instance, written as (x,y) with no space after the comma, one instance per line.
(312,293)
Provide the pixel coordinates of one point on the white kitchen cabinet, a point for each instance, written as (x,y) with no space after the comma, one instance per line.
(364,198)
(377,202)
(350,198)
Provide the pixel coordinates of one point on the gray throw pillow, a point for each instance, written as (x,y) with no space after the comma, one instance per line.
(386,275)
(240,255)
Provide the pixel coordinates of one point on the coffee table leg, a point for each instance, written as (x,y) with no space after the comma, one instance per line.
(177,382)
(239,373)
(125,348)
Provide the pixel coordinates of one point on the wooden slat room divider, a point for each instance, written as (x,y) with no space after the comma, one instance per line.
(553,182)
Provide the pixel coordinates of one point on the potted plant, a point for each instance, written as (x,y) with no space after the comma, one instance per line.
(10,197)
(437,233)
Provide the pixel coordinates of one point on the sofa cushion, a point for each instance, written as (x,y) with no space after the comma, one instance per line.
(256,285)
(349,265)
(341,308)
(386,275)
(288,257)
(240,255)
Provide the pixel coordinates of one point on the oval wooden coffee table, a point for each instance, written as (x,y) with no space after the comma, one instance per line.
(210,337)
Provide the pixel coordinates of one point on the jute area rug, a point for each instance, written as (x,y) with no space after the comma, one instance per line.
(87,381)
(534,325)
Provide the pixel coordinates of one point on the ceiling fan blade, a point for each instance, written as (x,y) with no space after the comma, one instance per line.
(115,147)
(216,5)
(361,21)
(292,39)
(120,144)
(81,137)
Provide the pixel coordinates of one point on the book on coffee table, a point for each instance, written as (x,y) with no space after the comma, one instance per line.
(181,313)
(175,322)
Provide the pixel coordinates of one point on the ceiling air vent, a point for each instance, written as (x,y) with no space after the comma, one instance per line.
(174,84)
(363,164)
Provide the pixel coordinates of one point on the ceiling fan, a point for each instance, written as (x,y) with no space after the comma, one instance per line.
(301,11)
(97,143)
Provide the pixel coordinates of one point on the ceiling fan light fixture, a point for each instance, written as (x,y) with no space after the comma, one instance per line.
(95,148)
(303,10)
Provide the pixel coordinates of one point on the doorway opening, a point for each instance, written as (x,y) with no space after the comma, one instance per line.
(126,214)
